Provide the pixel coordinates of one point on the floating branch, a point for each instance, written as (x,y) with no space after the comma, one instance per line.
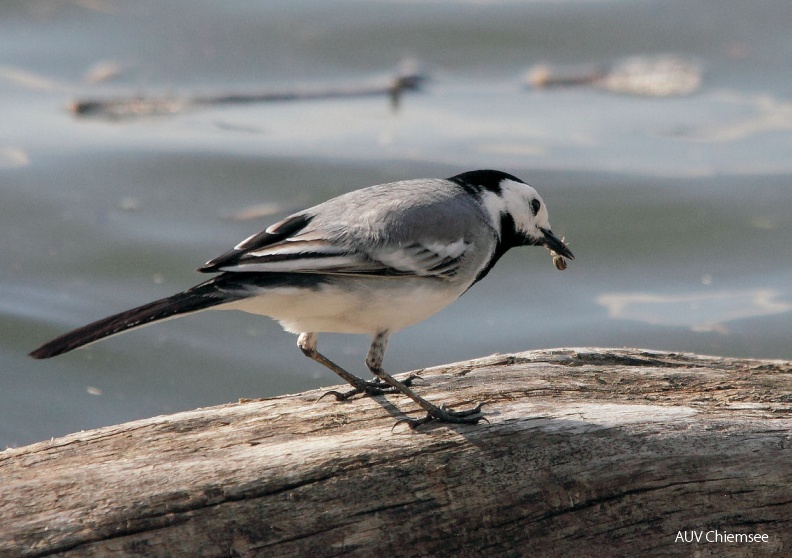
(649,76)
(129,107)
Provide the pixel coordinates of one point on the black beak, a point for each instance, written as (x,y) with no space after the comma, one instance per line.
(556,244)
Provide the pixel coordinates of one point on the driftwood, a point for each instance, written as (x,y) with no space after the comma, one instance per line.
(662,75)
(587,452)
(408,79)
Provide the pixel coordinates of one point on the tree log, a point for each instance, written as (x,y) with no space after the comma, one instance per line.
(585,452)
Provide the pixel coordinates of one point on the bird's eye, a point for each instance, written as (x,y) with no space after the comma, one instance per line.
(536,205)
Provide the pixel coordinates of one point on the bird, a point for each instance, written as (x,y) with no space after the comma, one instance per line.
(371,261)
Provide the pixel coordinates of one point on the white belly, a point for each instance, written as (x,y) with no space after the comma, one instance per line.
(353,305)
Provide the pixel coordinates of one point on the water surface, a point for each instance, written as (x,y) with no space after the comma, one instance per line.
(676,208)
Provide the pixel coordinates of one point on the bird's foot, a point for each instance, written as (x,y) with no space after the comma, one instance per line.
(374,387)
(441,414)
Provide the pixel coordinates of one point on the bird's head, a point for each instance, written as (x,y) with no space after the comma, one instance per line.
(516,210)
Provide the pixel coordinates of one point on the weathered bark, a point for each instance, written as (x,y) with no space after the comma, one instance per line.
(590,452)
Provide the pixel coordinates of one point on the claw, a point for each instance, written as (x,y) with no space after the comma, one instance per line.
(339,395)
(408,381)
(375,387)
(446,415)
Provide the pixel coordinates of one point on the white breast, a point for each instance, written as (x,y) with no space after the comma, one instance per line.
(353,304)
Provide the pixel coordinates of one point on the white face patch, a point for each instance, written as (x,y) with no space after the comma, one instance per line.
(515,199)
(495,206)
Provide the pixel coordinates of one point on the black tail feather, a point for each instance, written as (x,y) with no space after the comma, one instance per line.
(198,298)
(224,288)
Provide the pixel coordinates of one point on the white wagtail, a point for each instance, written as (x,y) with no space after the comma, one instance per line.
(370,261)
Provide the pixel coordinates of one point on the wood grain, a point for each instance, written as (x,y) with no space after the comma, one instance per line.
(587,452)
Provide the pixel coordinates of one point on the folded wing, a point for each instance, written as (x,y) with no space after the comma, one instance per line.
(291,246)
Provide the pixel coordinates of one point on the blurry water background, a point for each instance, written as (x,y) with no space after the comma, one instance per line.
(677,207)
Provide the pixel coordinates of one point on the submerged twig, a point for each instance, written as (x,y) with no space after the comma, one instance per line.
(651,76)
(409,79)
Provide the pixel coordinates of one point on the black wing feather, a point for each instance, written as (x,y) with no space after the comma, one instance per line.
(276,233)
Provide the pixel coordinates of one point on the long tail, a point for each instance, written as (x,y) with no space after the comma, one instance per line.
(219,290)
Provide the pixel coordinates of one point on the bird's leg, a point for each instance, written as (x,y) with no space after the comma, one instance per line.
(307,344)
(374,362)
